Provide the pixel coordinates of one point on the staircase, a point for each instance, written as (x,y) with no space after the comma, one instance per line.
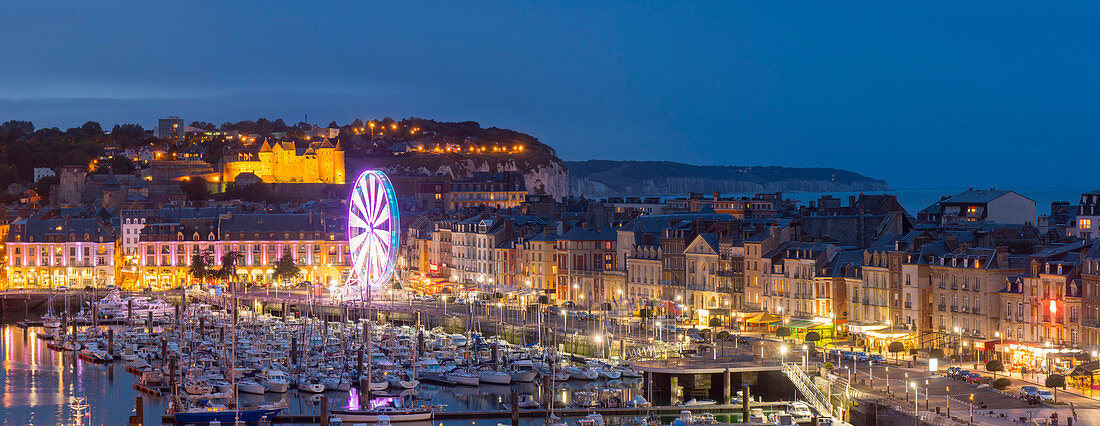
(809,391)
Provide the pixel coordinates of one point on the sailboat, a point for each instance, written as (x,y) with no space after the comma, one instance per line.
(389,413)
(205,411)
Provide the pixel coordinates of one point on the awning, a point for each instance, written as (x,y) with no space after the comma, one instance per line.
(801,323)
(863,328)
(763,318)
(1085,369)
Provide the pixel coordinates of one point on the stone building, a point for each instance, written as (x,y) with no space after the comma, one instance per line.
(287,162)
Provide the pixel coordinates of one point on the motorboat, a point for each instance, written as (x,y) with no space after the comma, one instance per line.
(699,402)
(275,381)
(195,387)
(524,375)
(577,373)
(311,385)
(592,419)
(251,386)
(463,378)
(494,377)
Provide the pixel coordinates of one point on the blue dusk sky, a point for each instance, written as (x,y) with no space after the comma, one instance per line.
(920,94)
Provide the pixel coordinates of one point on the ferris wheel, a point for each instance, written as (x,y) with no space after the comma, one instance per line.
(373,229)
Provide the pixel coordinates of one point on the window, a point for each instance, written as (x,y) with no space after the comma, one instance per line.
(1085,223)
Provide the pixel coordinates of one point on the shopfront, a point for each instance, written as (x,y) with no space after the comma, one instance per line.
(1033,358)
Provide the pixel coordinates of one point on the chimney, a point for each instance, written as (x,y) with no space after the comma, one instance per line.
(717,195)
(851,200)
(1002,256)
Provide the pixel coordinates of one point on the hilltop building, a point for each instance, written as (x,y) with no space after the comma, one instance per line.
(285,162)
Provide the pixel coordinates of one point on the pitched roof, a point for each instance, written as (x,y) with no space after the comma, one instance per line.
(978,196)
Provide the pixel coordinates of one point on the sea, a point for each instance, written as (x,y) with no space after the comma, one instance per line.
(916,199)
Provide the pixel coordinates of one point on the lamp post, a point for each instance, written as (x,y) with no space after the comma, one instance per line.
(906,387)
(916,397)
(971,408)
(887,380)
(947,390)
(805,357)
(782,354)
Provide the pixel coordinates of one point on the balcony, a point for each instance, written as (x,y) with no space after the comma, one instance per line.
(954,308)
(977,310)
(908,305)
(855,300)
(1019,318)
(943,307)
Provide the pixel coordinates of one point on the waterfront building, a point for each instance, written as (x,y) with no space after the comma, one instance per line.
(537,262)
(52,249)
(317,246)
(583,254)
(1090,299)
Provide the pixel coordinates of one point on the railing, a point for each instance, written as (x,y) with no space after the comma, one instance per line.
(908,305)
(977,309)
(809,391)
(943,307)
(954,308)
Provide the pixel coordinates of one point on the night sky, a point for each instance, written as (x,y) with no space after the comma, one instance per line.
(921,94)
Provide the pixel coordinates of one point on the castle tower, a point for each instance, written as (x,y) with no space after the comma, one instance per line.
(338,164)
(267,160)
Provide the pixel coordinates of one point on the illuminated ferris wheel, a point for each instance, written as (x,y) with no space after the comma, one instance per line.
(373,229)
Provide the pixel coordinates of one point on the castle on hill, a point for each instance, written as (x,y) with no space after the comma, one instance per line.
(286,162)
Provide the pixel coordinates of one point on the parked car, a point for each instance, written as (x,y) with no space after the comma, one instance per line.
(962,374)
(89,288)
(1046,395)
(974,378)
(61,288)
(1029,392)
(951,371)
(876,358)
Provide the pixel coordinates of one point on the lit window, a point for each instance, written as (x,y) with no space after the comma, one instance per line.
(1085,223)
(971,210)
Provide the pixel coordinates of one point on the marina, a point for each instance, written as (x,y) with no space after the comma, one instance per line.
(309,370)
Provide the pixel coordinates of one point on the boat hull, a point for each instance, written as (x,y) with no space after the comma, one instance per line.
(227,416)
(372,416)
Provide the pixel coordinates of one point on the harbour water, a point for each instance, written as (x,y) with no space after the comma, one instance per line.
(36,384)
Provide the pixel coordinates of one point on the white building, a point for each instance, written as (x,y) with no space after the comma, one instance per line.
(43,172)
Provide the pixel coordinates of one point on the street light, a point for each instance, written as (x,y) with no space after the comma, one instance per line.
(782,353)
(916,397)
(947,390)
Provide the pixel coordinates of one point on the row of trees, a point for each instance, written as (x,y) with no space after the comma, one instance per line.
(203,268)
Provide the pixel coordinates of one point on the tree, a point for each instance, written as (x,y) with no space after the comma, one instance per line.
(993,366)
(936,353)
(812,337)
(1055,381)
(896,347)
(285,268)
(714,322)
(199,266)
(1002,383)
(783,332)
(228,270)
(196,189)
